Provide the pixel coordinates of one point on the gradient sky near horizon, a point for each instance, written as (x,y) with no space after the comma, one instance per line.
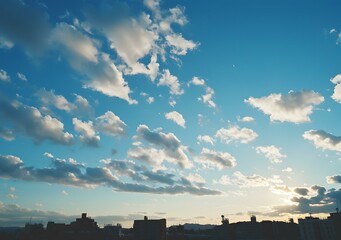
(183,110)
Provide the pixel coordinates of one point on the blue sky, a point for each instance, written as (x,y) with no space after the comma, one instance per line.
(172,109)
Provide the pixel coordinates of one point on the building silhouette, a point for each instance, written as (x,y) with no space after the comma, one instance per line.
(313,228)
(146,229)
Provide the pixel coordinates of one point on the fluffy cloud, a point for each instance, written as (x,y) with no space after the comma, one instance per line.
(67,173)
(176,117)
(4,76)
(86,129)
(246,119)
(206,98)
(337,89)
(206,139)
(324,140)
(272,153)
(296,107)
(236,134)
(49,98)
(216,159)
(84,56)
(180,46)
(110,124)
(151,156)
(167,79)
(168,143)
(29,121)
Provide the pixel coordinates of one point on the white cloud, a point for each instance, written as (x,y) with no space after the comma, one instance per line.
(323,140)
(86,129)
(176,117)
(4,76)
(249,181)
(168,143)
(58,101)
(224,180)
(236,134)
(296,107)
(206,139)
(171,81)
(246,119)
(21,76)
(337,89)
(197,81)
(149,99)
(83,55)
(29,121)
(154,157)
(272,153)
(195,177)
(220,160)
(172,103)
(180,46)
(110,124)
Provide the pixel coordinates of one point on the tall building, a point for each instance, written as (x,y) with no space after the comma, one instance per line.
(312,228)
(146,229)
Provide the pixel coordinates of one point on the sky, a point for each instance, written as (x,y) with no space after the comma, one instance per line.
(184,110)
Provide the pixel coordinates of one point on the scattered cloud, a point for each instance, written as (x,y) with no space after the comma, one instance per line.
(66,173)
(220,160)
(272,153)
(323,140)
(180,46)
(206,139)
(171,81)
(246,119)
(296,107)
(176,117)
(206,98)
(236,134)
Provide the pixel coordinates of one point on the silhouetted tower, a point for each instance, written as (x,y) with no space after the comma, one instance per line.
(224,220)
(253,219)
